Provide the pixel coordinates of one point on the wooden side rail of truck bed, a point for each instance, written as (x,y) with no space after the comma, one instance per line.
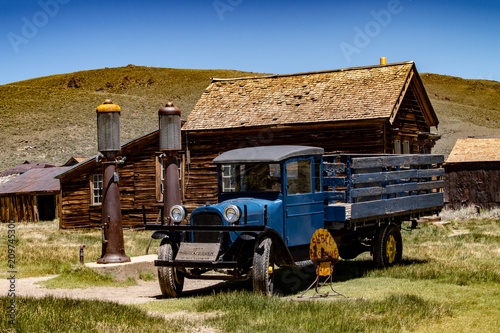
(367,187)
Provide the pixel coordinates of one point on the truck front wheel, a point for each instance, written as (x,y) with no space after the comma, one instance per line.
(388,247)
(171,280)
(263,268)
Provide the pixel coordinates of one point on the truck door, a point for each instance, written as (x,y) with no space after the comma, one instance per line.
(304,208)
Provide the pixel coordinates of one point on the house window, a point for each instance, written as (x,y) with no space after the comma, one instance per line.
(228,179)
(160,166)
(96,189)
(406,147)
(397,146)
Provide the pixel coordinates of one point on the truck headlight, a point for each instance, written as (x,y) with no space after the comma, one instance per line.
(177,213)
(232,213)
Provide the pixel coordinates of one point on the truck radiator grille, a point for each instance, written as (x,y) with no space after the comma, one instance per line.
(206,219)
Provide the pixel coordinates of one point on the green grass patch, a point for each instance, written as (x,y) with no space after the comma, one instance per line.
(396,313)
(51,314)
(146,276)
(80,276)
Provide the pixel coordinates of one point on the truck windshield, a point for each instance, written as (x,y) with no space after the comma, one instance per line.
(260,177)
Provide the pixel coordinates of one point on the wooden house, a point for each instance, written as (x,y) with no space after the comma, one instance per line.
(375,109)
(472,174)
(32,196)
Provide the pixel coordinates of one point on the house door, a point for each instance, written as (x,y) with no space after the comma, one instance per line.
(46,207)
(304,207)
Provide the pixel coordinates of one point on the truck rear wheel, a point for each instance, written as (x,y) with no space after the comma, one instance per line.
(171,280)
(263,268)
(388,247)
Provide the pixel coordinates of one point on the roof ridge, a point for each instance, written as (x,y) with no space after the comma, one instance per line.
(309,73)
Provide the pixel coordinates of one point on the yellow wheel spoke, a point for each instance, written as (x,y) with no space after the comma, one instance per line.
(391,249)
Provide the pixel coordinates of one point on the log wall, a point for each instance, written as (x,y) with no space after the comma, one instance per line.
(23,207)
(472,184)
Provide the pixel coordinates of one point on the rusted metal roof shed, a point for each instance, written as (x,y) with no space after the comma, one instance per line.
(27,165)
(32,196)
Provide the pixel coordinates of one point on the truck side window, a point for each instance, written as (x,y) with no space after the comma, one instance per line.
(299,177)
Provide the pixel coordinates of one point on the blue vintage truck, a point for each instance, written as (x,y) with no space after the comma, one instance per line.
(271,201)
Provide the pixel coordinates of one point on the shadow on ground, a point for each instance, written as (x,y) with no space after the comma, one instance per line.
(290,281)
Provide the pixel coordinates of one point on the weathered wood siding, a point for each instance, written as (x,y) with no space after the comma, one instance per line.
(409,122)
(137,185)
(476,184)
(23,207)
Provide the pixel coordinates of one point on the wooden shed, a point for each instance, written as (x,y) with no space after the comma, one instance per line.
(32,196)
(375,109)
(472,174)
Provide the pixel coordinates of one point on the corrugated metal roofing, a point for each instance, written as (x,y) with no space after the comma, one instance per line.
(475,150)
(33,181)
(22,168)
(340,95)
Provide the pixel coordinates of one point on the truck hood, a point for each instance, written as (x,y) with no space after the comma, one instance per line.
(255,209)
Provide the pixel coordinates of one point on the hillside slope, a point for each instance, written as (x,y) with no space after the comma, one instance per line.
(51,119)
(464,108)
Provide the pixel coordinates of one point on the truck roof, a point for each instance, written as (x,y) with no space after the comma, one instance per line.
(265,154)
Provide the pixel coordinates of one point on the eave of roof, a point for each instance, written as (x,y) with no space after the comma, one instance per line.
(126,148)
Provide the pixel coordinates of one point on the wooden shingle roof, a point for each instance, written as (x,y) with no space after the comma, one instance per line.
(475,150)
(360,93)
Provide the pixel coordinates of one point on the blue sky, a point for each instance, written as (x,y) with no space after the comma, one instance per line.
(45,37)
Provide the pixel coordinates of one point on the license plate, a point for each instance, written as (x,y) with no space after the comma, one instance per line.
(198,251)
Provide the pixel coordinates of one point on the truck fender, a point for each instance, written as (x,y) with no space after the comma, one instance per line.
(160,234)
(282,256)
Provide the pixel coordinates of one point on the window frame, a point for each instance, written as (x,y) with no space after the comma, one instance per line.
(99,188)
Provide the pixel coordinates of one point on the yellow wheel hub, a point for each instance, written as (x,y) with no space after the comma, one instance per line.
(390,251)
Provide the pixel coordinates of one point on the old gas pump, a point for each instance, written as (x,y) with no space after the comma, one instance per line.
(169,118)
(108,138)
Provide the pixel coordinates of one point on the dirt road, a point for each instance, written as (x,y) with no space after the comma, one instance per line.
(145,291)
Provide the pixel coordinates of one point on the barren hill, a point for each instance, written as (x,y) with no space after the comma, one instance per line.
(464,108)
(51,119)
